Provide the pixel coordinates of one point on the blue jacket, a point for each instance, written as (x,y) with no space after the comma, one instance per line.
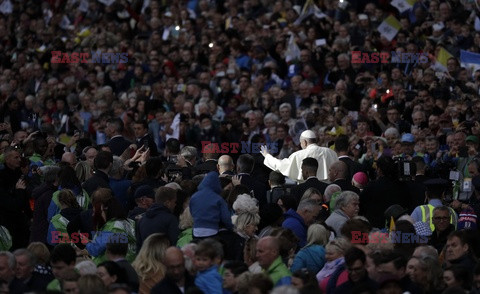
(311,257)
(157,219)
(295,222)
(207,207)
(210,281)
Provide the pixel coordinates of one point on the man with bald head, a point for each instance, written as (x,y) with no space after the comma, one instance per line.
(225,165)
(338,173)
(292,166)
(268,257)
(70,158)
(177,279)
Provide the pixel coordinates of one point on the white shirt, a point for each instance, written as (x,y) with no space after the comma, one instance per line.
(292,166)
(175,127)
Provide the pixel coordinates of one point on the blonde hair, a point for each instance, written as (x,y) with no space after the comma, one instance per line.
(40,251)
(149,260)
(246,218)
(317,234)
(83,171)
(186,219)
(340,245)
(91,284)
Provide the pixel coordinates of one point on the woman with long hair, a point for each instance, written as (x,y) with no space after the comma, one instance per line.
(111,223)
(67,179)
(69,210)
(312,256)
(149,261)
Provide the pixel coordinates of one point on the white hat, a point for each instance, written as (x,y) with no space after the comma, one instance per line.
(362,16)
(308,135)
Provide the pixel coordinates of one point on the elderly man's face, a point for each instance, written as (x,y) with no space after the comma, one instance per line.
(266,254)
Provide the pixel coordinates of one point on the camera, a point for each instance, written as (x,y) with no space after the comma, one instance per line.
(173,174)
(172,159)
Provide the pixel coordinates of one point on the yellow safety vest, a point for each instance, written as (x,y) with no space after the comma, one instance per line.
(427,215)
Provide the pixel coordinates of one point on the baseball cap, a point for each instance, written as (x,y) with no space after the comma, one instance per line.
(395,211)
(144,191)
(473,139)
(408,138)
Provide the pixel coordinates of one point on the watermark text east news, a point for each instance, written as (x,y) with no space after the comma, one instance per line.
(384,57)
(83,57)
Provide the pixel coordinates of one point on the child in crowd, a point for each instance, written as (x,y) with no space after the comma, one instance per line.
(208,256)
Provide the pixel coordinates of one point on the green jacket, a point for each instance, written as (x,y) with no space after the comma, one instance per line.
(279,273)
(98,246)
(185,237)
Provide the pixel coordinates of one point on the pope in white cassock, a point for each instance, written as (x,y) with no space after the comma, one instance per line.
(292,166)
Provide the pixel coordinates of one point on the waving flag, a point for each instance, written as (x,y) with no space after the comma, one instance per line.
(470,60)
(308,9)
(403,5)
(389,27)
(442,58)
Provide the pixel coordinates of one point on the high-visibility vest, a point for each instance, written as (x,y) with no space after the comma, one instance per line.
(427,215)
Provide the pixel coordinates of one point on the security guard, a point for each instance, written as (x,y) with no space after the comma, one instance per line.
(435,192)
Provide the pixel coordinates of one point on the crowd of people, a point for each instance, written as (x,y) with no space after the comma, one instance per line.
(235,148)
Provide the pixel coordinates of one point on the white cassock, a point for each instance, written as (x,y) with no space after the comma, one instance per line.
(292,166)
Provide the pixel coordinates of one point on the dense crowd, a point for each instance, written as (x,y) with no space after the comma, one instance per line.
(235,148)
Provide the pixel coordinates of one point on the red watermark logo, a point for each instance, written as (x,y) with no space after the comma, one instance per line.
(84,57)
(61,237)
(382,238)
(385,57)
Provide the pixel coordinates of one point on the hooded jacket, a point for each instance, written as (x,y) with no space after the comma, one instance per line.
(295,222)
(157,219)
(209,210)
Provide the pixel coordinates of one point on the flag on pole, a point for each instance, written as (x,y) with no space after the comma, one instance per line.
(293,51)
(389,27)
(403,5)
(470,61)
(442,58)
(392,224)
(308,9)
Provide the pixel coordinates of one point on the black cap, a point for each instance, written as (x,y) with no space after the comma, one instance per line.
(144,191)
(436,186)
(395,211)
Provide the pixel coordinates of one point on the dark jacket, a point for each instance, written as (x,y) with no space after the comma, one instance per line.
(118,145)
(169,286)
(295,222)
(346,185)
(43,196)
(312,182)
(259,189)
(349,286)
(82,223)
(439,240)
(99,179)
(38,282)
(132,276)
(157,219)
(14,208)
(353,167)
(135,212)
(380,195)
